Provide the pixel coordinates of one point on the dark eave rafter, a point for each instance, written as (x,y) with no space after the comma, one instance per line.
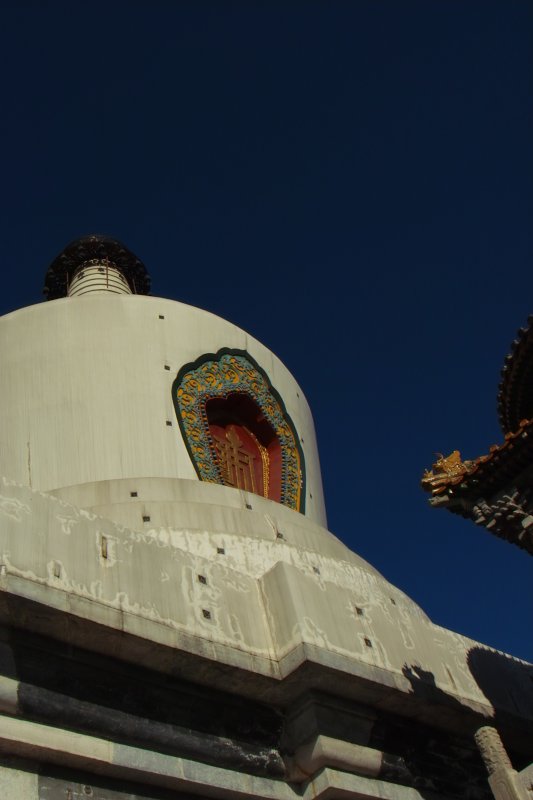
(515,395)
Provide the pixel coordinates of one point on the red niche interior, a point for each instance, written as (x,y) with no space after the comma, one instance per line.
(247,448)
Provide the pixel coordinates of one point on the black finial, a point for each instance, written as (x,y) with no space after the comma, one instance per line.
(87,248)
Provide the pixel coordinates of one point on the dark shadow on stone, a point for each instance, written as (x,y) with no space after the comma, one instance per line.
(62,685)
(439,761)
(507,683)
(428,694)
(420,679)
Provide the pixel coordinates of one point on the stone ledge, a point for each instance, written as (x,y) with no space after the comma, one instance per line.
(99,756)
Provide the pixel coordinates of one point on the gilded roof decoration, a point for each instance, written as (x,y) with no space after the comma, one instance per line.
(446,470)
(484,473)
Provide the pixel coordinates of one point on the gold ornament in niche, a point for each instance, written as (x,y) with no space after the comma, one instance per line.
(238,465)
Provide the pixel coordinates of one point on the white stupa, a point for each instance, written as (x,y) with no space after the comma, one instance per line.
(176,616)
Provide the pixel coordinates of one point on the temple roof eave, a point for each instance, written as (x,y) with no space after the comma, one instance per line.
(486,474)
(494,490)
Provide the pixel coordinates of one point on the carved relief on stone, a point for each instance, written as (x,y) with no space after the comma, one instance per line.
(491,749)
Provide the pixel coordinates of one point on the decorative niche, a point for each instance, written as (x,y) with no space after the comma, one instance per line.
(236,428)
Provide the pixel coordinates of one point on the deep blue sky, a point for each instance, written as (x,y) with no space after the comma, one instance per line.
(351,182)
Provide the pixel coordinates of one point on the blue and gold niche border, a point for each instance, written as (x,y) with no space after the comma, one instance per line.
(221,374)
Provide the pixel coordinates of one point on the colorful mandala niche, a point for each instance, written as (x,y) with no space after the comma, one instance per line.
(236,428)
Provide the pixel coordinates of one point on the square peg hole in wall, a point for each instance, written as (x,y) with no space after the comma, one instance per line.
(368,642)
(133,494)
(206,614)
(202,579)
(161,316)
(359,611)
(169,423)
(146,518)
(221,551)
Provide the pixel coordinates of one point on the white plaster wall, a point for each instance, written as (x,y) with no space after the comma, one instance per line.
(86,396)
(269,609)
(193,507)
